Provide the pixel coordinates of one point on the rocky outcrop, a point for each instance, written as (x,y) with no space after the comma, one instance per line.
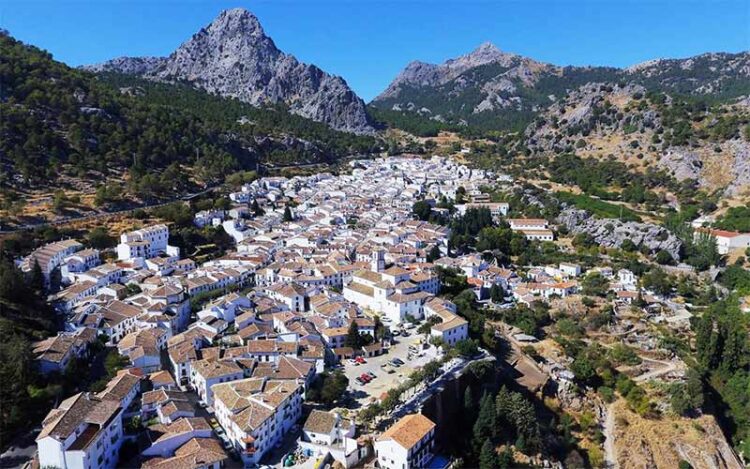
(128,65)
(611,232)
(740,150)
(233,57)
(682,163)
(583,111)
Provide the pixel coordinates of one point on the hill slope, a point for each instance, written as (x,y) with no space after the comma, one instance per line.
(61,123)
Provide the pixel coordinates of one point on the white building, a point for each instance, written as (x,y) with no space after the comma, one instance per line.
(50,257)
(727,240)
(256,413)
(145,243)
(329,433)
(452,327)
(388,292)
(535,229)
(83,432)
(205,373)
(408,444)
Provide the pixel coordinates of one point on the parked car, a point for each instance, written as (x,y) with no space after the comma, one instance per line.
(359,381)
(353,362)
(399,361)
(395,363)
(372,375)
(395,333)
(361,360)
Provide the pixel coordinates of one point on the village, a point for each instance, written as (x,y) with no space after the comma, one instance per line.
(333,286)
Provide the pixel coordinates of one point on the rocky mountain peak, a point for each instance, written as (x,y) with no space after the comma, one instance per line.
(487,52)
(236,22)
(233,57)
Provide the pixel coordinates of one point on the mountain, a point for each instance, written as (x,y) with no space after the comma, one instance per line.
(64,127)
(233,57)
(494,90)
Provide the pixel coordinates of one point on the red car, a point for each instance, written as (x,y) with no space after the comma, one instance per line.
(365,377)
(360,360)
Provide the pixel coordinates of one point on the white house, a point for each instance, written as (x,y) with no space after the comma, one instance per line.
(451,328)
(205,373)
(329,433)
(145,243)
(408,444)
(727,240)
(533,228)
(83,432)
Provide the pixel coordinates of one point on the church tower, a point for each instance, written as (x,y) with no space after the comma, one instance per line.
(377,260)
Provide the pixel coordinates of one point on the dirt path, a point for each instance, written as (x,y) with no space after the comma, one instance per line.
(609,439)
(667,367)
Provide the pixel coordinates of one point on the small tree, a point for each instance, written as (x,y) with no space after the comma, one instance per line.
(288,214)
(434,254)
(353,338)
(497,294)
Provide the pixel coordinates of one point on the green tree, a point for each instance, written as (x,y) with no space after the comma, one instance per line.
(353,338)
(594,284)
(488,456)
(421,210)
(288,214)
(433,254)
(497,294)
(484,426)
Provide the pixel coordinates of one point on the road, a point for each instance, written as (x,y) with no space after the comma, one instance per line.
(20,451)
(610,456)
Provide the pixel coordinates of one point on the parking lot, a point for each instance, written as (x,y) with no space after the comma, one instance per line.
(384,381)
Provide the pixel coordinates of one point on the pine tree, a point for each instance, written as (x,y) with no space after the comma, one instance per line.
(36,279)
(288,214)
(488,456)
(484,427)
(468,401)
(434,254)
(353,339)
(256,208)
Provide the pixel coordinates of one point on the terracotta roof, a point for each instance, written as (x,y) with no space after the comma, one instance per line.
(408,431)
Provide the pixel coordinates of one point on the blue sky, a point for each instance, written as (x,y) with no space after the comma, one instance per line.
(368,42)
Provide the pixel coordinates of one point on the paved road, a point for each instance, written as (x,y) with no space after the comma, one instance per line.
(21,450)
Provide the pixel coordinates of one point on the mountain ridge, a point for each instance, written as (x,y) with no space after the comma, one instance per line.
(491,89)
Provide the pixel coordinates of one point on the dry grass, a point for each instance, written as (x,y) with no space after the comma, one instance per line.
(662,443)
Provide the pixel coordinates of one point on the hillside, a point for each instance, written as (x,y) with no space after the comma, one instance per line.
(69,129)
(489,89)
(663,443)
(688,138)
